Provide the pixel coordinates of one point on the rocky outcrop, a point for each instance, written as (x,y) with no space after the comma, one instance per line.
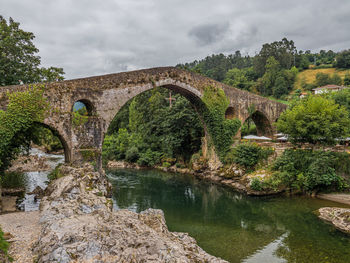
(29,163)
(338,217)
(78,225)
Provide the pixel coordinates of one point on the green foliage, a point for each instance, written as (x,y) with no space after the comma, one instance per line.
(239,78)
(80,116)
(342,98)
(347,79)
(314,119)
(166,164)
(46,138)
(132,154)
(309,170)
(18,60)
(13,180)
(276,81)
(149,158)
(343,59)
(248,155)
(221,130)
(256,184)
(282,51)
(16,123)
(147,122)
(55,173)
(4,245)
(323,79)
(217,66)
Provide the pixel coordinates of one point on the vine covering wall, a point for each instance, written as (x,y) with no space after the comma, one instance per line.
(221,130)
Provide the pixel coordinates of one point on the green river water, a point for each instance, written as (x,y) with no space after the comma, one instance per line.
(231,225)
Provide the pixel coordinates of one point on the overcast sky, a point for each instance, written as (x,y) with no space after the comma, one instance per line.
(93,37)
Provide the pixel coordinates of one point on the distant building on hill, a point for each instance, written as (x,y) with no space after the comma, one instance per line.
(328,88)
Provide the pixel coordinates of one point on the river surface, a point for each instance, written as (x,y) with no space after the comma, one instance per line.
(34,179)
(233,226)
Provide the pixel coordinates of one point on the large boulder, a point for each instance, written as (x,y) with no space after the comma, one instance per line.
(338,217)
(78,225)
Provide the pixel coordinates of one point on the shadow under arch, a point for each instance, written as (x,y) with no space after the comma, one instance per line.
(67,154)
(262,123)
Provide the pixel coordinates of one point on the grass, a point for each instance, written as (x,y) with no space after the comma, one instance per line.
(309,75)
(13,180)
(278,100)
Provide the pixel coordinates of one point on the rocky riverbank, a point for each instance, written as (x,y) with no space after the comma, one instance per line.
(338,217)
(232,176)
(78,225)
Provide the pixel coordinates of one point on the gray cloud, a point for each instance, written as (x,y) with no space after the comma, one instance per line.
(88,37)
(209,33)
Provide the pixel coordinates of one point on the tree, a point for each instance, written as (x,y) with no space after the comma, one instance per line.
(18,59)
(343,59)
(347,79)
(323,79)
(283,51)
(315,119)
(236,77)
(269,78)
(17,122)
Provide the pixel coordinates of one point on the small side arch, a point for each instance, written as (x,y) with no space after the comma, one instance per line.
(262,123)
(230,113)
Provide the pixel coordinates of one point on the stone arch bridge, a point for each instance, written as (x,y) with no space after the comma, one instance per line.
(105,95)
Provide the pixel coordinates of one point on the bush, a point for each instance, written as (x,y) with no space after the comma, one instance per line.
(3,246)
(132,154)
(248,155)
(149,158)
(312,170)
(166,164)
(13,180)
(256,184)
(55,173)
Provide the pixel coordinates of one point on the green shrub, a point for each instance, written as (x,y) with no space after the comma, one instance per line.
(256,184)
(248,155)
(132,154)
(4,246)
(55,173)
(13,180)
(309,170)
(179,165)
(149,158)
(166,164)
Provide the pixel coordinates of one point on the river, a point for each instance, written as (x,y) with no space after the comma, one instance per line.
(34,179)
(231,225)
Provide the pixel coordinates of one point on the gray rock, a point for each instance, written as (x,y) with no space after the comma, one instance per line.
(85,229)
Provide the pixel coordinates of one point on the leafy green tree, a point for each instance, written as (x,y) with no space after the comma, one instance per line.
(236,77)
(342,97)
(347,79)
(280,87)
(17,123)
(323,79)
(268,80)
(343,59)
(283,51)
(18,59)
(315,119)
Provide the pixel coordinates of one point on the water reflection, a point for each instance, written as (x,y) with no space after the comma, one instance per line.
(230,225)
